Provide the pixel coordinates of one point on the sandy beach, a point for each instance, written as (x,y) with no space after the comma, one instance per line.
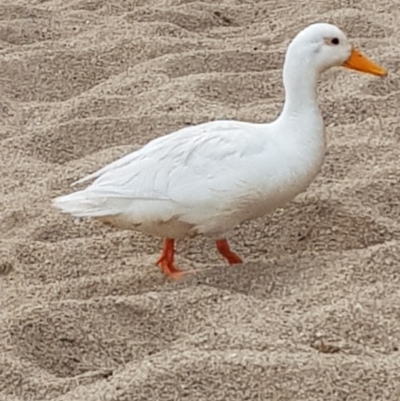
(314,312)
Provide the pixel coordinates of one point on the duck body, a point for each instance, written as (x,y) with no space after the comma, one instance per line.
(205,179)
(209,178)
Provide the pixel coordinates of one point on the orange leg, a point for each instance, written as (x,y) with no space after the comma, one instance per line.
(166,261)
(225,251)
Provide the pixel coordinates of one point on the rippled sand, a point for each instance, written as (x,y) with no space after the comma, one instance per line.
(313,314)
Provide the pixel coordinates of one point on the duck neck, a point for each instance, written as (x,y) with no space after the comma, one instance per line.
(301,122)
(300,83)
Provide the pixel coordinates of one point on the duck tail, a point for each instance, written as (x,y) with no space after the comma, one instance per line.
(81,204)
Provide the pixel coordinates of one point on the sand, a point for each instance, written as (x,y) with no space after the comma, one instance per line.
(312,314)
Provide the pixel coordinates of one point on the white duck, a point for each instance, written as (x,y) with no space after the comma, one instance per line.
(208,178)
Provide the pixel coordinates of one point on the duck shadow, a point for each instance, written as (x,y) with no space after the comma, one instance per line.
(278,249)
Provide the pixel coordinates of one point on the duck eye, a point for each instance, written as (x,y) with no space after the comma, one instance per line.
(335,41)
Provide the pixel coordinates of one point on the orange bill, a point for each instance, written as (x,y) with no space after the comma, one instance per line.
(358,62)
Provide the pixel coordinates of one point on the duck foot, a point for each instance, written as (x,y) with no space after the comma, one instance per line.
(166,261)
(225,251)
